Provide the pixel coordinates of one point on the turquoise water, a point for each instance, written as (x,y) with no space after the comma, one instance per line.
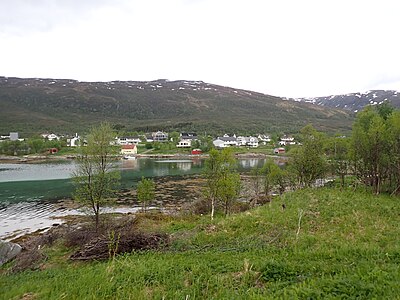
(30,194)
(51,181)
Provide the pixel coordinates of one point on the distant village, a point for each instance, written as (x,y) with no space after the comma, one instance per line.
(186,140)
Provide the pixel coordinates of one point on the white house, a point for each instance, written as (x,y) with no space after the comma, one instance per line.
(225,141)
(189,136)
(186,139)
(286,140)
(50,136)
(252,142)
(218,143)
(264,138)
(184,143)
(14,136)
(149,138)
(248,141)
(73,142)
(128,140)
(160,136)
(241,140)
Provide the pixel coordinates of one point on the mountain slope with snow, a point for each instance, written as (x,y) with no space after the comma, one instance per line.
(355,101)
(62,105)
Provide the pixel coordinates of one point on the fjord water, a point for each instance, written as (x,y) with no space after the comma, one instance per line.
(50,181)
(31,194)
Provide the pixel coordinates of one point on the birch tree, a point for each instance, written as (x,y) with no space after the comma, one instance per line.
(145,192)
(370,148)
(375,148)
(394,136)
(337,148)
(308,162)
(223,182)
(95,179)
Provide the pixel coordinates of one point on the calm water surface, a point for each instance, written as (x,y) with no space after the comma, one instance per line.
(30,194)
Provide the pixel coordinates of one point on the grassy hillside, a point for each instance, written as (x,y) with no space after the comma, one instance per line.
(346,246)
(35,105)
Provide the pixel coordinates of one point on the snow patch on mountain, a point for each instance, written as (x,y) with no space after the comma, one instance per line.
(354,101)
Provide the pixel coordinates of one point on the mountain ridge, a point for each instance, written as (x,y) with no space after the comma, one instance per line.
(354,101)
(65,104)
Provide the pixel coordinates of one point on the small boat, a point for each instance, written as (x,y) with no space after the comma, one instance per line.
(129,157)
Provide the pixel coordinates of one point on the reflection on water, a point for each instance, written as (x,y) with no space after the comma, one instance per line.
(184,166)
(40,171)
(162,171)
(64,169)
(248,163)
(130,164)
(29,193)
(49,181)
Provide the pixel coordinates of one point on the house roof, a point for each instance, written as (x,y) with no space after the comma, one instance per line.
(129,137)
(189,135)
(287,137)
(253,139)
(264,137)
(128,147)
(227,138)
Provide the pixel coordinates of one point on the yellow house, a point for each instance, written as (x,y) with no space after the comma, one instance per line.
(128,150)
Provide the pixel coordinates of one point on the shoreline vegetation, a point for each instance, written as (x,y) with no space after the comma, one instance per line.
(324,242)
(41,158)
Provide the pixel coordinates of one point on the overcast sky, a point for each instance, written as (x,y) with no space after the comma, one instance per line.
(287,48)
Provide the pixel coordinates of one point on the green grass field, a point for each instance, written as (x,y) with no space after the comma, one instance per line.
(326,244)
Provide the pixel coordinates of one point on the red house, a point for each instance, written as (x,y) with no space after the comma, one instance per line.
(52,150)
(279,150)
(196,151)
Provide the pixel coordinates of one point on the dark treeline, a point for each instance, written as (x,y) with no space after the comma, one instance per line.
(375,148)
(31,146)
(371,156)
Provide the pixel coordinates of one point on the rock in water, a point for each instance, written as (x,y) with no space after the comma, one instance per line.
(8,251)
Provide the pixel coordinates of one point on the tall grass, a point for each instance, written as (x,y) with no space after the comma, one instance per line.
(347,247)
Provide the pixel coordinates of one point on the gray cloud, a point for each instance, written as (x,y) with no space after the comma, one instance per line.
(21,17)
(313,49)
(389,80)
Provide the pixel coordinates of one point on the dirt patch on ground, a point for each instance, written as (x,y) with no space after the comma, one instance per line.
(104,248)
(116,234)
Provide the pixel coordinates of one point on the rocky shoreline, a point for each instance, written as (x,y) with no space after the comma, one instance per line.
(43,158)
(7,159)
(172,193)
